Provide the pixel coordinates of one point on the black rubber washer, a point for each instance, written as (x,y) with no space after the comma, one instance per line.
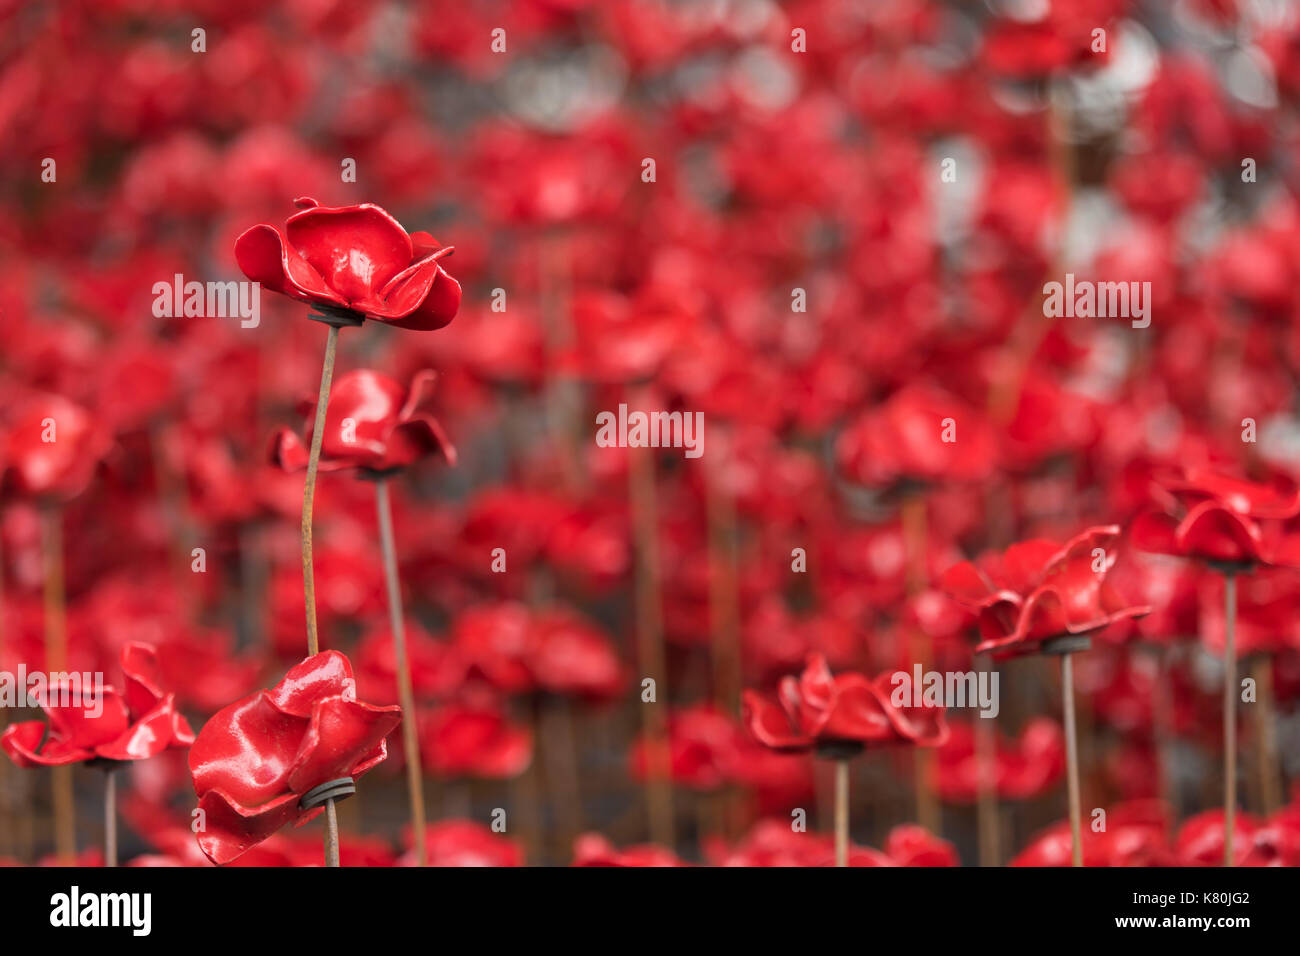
(336,790)
(839,749)
(339,318)
(1068,644)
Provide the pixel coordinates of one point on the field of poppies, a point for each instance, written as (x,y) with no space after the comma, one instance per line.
(821,433)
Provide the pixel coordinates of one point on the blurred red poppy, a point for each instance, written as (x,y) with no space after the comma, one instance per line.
(1038,590)
(473,739)
(918,434)
(818,711)
(1219,518)
(101,723)
(1024,767)
(1135,835)
(372,424)
(465,843)
(592,849)
(51,448)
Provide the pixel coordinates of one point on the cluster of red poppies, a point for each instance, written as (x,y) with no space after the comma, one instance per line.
(825,231)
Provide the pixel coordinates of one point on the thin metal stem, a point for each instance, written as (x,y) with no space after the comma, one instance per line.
(842,812)
(1072,760)
(1229,713)
(309,488)
(986,810)
(110,818)
(1270,782)
(56,658)
(405,692)
(650,639)
(332,834)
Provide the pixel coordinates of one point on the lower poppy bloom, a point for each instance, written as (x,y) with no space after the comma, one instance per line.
(255,759)
(102,723)
(372,423)
(844,712)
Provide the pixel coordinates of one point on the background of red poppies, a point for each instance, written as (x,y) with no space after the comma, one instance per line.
(776,169)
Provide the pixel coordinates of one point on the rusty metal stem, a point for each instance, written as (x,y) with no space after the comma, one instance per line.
(405,692)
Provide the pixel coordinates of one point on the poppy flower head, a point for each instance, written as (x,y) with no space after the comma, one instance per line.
(353,260)
(919,435)
(51,448)
(255,759)
(838,715)
(373,423)
(1038,590)
(1221,519)
(134,723)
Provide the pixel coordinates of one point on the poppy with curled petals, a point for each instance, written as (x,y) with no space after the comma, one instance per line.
(256,758)
(1221,519)
(51,448)
(136,723)
(841,713)
(373,423)
(356,260)
(1038,590)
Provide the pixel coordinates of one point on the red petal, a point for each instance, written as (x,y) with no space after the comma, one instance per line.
(265,257)
(355,249)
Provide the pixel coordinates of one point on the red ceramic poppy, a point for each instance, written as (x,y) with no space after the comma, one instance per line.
(911,845)
(135,723)
(1200,839)
(255,759)
(473,739)
(356,259)
(465,843)
(834,714)
(1135,835)
(572,656)
(919,434)
(51,448)
(592,849)
(436,668)
(373,423)
(1219,518)
(1038,590)
(552,649)
(775,843)
(702,745)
